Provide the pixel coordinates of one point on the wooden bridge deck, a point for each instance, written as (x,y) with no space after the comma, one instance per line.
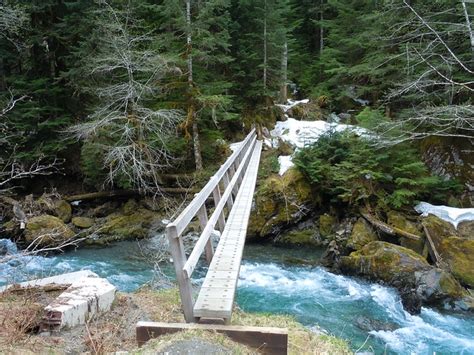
(216,297)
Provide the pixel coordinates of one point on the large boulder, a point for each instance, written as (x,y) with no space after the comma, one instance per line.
(398,220)
(419,282)
(361,235)
(82,222)
(46,230)
(309,111)
(280,201)
(455,251)
(305,237)
(121,226)
(51,204)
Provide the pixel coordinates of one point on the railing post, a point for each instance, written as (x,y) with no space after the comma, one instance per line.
(203,220)
(184,283)
(226,181)
(217,197)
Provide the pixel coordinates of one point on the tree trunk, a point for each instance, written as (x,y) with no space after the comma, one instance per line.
(197,145)
(321,29)
(469,26)
(191,109)
(284,74)
(265,60)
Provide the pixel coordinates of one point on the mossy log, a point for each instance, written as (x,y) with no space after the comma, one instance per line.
(384,227)
(124,193)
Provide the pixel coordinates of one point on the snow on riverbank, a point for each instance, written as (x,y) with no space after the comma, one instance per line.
(301,133)
(449,214)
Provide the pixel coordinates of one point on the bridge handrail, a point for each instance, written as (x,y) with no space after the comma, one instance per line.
(198,249)
(183,219)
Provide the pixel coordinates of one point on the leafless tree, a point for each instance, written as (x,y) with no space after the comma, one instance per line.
(439,70)
(12,21)
(133,135)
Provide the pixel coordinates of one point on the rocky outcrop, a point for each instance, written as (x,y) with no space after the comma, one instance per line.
(280,201)
(361,235)
(398,220)
(418,282)
(46,230)
(53,205)
(123,226)
(327,224)
(306,111)
(455,250)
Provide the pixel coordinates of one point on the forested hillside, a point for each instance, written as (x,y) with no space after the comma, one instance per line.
(118,92)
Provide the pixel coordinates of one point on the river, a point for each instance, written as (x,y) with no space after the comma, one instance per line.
(274,280)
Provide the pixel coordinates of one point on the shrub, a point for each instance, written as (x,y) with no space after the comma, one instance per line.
(348,169)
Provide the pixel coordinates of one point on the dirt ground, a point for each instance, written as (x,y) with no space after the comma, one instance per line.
(21,312)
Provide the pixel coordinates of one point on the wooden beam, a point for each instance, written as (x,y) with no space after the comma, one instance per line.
(267,340)
(390,230)
(203,220)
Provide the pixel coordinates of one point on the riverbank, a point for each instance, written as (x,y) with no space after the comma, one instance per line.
(288,282)
(115,331)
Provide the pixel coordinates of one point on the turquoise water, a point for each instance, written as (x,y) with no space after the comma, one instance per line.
(271,282)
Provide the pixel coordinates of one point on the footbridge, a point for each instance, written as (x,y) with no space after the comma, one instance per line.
(231,190)
(224,204)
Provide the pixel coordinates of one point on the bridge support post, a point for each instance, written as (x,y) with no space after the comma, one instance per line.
(184,283)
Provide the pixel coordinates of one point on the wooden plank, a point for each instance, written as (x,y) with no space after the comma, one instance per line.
(230,200)
(228,255)
(179,259)
(182,221)
(268,340)
(217,197)
(203,220)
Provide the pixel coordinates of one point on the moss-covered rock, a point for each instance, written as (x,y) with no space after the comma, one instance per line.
(120,226)
(466,229)
(130,207)
(82,222)
(384,261)
(398,220)
(46,230)
(457,252)
(50,204)
(361,235)
(306,111)
(280,201)
(327,225)
(306,237)
(408,271)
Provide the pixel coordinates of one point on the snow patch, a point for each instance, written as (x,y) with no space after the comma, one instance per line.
(449,214)
(285,163)
(292,103)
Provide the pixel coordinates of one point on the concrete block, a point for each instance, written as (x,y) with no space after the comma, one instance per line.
(86,297)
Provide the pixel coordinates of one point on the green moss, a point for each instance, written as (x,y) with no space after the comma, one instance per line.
(361,235)
(122,227)
(326,225)
(398,220)
(82,222)
(47,230)
(303,237)
(279,200)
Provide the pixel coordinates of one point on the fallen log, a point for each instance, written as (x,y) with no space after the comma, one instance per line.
(125,193)
(431,247)
(390,230)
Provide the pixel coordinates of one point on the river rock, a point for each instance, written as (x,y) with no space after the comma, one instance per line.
(306,237)
(456,251)
(57,207)
(398,220)
(361,235)
(47,230)
(281,201)
(369,324)
(326,225)
(82,222)
(306,111)
(120,226)
(417,281)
